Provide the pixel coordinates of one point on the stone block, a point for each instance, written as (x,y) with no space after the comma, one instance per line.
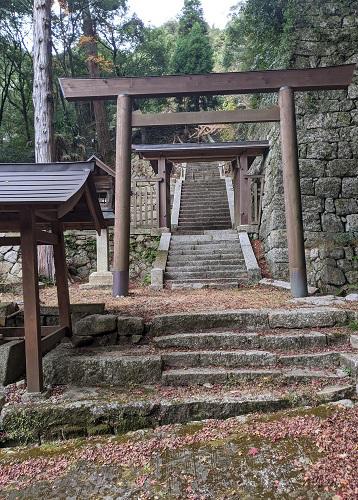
(277,219)
(311,221)
(128,325)
(188,322)
(312,204)
(319,317)
(322,151)
(331,223)
(346,206)
(277,239)
(328,187)
(332,275)
(354,341)
(12,361)
(312,168)
(352,223)
(96,324)
(6,309)
(307,186)
(341,168)
(329,205)
(277,255)
(352,277)
(350,187)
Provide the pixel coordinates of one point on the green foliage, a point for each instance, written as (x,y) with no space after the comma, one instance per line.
(353,325)
(193,53)
(259,34)
(191,14)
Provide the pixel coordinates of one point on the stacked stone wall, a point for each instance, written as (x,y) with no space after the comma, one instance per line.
(326,33)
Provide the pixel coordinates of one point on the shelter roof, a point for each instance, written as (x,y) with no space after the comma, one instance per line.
(62,192)
(201,151)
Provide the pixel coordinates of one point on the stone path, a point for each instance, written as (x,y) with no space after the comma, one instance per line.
(287,455)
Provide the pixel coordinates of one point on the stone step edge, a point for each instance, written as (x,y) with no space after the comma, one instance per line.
(217,375)
(24,424)
(251,319)
(251,358)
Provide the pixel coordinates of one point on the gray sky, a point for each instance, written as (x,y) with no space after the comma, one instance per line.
(157,12)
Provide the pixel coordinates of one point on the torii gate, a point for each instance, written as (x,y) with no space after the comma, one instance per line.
(285,82)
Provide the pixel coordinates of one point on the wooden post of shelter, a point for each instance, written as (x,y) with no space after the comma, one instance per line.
(292,194)
(244,195)
(122,197)
(164,193)
(32,325)
(63,297)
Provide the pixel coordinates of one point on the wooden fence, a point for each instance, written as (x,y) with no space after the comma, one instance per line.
(145,203)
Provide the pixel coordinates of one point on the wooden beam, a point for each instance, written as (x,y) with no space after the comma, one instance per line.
(51,340)
(10,241)
(94,208)
(328,78)
(10,332)
(32,326)
(207,117)
(63,297)
(46,238)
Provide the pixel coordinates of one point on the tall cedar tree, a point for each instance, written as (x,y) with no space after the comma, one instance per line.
(193,52)
(43,105)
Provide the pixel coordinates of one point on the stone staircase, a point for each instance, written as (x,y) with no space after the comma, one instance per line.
(213,259)
(193,366)
(204,204)
(288,349)
(204,251)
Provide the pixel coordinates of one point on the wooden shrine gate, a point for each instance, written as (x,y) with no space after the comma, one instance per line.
(283,82)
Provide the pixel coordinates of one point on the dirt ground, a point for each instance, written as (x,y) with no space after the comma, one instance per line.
(147,303)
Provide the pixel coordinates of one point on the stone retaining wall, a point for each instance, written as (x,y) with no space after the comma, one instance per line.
(326,33)
(81,256)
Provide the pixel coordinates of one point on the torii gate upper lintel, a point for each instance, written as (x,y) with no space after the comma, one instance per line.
(285,82)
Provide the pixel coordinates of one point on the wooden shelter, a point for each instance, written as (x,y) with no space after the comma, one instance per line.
(39,201)
(284,82)
(240,154)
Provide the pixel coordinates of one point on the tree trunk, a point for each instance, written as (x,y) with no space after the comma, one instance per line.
(102,129)
(43,105)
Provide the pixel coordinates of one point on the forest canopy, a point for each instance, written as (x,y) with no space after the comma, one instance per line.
(101,38)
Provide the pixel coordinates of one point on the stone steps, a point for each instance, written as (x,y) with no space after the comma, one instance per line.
(205,258)
(230,340)
(205,273)
(247,358)
(197,283)
(218,376)
(278,321)
(94,411)
(175,264)
(210,246)
(206,268)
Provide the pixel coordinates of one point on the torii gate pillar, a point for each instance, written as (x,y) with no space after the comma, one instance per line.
(292,194)
(122,197)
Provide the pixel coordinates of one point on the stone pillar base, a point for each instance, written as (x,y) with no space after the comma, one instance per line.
(99,279)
